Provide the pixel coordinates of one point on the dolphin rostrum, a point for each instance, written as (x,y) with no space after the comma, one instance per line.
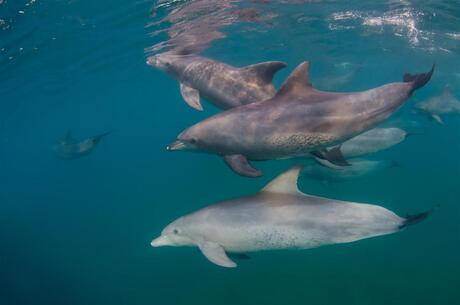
(280,216)
(69,148)
(298,120)
(437,106)
(217,82)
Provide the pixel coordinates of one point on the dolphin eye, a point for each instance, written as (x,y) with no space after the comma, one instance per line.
(175,231)
(192,141)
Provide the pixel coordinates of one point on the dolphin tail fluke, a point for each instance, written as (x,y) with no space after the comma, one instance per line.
(418,80)
(416,218)
(413,133)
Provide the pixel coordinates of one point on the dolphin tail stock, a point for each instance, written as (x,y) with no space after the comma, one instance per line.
(98,137)
(416,218)
(418,80)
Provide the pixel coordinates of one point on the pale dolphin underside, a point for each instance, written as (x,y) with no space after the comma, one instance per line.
(280,216)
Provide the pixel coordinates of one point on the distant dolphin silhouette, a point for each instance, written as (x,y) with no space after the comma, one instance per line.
(221,84)
(69,148)
(440,105)
(279,217)
(297,121)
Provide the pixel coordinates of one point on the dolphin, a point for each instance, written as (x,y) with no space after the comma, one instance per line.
(298,120)
(359,168)
(280,216)
(368,142)
(223,85)
(342,74)
(437,106)
(69,148)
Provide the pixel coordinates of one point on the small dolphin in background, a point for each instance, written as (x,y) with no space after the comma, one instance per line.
(219,83)
(443,104)
(358,168)
(297,121)
(280,216)
(341,75)
(368,142)
(69,148)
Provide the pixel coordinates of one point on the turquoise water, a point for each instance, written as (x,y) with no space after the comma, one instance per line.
(78,231)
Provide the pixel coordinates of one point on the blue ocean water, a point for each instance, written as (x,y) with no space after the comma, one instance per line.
(79,231)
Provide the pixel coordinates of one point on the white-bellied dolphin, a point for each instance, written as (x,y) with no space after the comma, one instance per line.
(280,216)
(70,148)
(297,121)
(219,83)
(446,103)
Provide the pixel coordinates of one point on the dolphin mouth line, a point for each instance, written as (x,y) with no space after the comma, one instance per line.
(177,145)
(158,242)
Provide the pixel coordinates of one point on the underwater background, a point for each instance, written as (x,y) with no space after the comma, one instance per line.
(79,231)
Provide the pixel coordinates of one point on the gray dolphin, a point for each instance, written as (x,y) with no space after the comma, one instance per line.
(372,141)
(70,148)
(359,168)
(223,85)
(297,121)
(437,106)
(368,142)
(280,216)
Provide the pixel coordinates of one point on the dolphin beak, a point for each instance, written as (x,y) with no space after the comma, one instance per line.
(160,241)
(177,145)
(152,60)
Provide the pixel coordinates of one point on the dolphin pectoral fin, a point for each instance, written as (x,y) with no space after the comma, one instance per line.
(216,254)
(191,96)
(240,165)
(328,164)
(266,70)
(437,118)
(333,155)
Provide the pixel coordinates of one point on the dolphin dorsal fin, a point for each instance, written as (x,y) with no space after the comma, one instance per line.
(68,136)
(298,80)
(286,183)
(266,70)
(446,91)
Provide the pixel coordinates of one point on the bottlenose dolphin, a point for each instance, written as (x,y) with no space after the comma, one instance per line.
(298,120)
(280,216)
(368,142)
(359,168)
(443,104)
(223,85)
(70,148)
